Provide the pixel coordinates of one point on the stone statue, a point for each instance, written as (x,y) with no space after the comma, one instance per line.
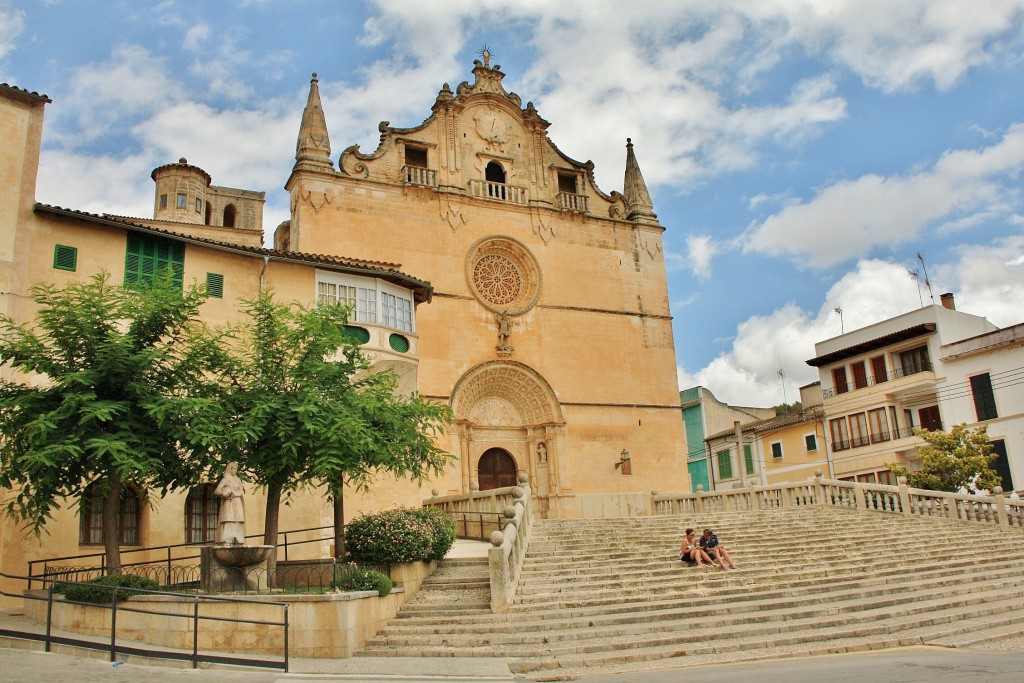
(231,516)
(505,325)
(542,453)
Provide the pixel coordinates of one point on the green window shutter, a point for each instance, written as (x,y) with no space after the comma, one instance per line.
(65,258)
(748,457)
(147,257)
(215,285)
(361,334)
(724,465)
(399,343)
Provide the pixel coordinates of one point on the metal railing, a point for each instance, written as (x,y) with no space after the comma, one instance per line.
(170,556)
(900,433)
(112,645)
(872,380)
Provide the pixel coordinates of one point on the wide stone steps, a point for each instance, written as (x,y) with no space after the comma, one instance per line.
(608,592)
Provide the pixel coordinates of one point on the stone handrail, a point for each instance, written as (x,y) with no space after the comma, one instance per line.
(994,508)
(505,558)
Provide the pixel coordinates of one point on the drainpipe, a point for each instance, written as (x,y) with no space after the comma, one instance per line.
(266,261)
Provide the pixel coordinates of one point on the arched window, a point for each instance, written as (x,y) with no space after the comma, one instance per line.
(229,216)
(201,508)
(90,530)
(494,173)
(496,469)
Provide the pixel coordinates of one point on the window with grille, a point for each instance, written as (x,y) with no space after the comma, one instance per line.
(147,257)
(397,311)
(90,530)
(201,509)
(215,285)
(65,258)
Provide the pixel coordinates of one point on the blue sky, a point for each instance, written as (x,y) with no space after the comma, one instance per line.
(799,153)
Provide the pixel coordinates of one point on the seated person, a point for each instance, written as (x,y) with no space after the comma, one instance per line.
(715,550)
(690,551)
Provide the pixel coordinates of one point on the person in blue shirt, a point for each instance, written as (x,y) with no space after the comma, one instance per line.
(709,543)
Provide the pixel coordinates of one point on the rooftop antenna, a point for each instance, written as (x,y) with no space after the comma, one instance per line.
(927,283)
(782,375)
(839,310)
(917,278)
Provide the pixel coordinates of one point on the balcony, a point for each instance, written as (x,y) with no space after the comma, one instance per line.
(568,201)
(415,175)
(905,371)
(486,189)
(858,441)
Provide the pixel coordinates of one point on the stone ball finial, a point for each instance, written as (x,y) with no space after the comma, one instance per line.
(818,474)
(182,160)
(509,512)
(435,493)
(523,477)
(497,538)
(474,486)
(997,491)
(902,481)
(518,492)
(700,488)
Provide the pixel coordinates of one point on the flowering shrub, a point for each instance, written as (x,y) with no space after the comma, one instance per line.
(399,535)
(358,579)
(442,527)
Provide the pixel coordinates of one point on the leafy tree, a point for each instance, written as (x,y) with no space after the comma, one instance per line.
(954,460)
(786,408)
(303,411)
(98,377)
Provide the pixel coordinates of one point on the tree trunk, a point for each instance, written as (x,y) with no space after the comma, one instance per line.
(270,527)
(339,520)
(111,527)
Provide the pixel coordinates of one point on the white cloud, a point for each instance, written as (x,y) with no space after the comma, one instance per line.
(988,280)
(701,250)
(851,218)
(12,23)
(784,339)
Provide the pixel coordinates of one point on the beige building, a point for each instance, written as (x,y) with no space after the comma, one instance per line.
(484,266)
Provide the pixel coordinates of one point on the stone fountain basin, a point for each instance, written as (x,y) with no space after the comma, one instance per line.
(241,555)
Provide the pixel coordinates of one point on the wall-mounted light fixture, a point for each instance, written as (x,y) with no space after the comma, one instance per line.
(623,459)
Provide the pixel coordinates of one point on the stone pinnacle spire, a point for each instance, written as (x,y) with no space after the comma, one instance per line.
(638,201)
(313,148)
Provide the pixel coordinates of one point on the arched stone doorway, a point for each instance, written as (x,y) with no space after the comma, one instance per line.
(507,417)
(496,469)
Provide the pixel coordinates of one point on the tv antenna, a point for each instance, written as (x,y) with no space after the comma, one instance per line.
(839,310)
(927,282)
(782,375)
(913,272)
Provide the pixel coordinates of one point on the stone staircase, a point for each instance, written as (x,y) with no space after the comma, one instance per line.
(611,593)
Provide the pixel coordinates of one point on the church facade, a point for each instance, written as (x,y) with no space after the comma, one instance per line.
(549,331)
(484,266)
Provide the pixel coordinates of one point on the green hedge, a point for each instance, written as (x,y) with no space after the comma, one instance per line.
(356,579)
(400,535)
(101,591)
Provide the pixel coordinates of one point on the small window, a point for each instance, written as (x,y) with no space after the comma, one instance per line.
(399,343)
(416,156)
(984,399)
(494,173)
(65,258)
(215,285)
(724,465)
(776,450)
(199,205)
(201,509)
(811,442)
(361,335)
(163,201)
(182,201)
(567,183)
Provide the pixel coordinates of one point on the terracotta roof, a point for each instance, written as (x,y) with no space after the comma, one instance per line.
(22,94)
(387,271)
(772,423)
(872,344)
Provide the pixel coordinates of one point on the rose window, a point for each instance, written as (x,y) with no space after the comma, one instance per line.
(497,279)
(503,275)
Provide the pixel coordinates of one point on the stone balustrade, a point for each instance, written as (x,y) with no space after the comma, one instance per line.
(486,189)
(415,175)
(505,558)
